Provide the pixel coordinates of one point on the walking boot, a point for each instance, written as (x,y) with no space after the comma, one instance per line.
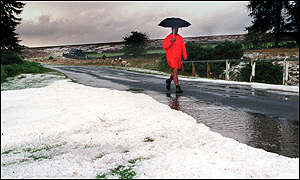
(168,84)
(178,89)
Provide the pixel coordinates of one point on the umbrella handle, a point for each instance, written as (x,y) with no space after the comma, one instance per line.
(173,33)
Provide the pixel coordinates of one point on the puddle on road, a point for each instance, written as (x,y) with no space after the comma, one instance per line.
(272,134)
(275,94)
(173,101)
(246,90)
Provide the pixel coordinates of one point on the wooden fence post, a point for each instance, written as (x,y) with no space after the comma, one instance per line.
(285,76)
(193,69)
(227,70)
(208,70)
(253,62)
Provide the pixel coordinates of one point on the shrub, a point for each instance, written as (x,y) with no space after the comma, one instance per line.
(288,44)
(33,67)
(198,52)
(11,58)
(11,70)
(257,40)
(51,57)
(224,50)
(217,69)
(135,44)
(163,64)
(228,50)
(3,74)
(265,72)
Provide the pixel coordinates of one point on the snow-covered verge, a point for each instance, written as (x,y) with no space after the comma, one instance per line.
(23,81)
(68,130)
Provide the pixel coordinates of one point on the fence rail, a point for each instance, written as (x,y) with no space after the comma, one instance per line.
(241,60)
(252,61)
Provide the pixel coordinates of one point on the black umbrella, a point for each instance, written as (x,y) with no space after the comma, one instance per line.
(174,22)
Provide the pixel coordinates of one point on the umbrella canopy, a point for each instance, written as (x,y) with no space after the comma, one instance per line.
(174,22)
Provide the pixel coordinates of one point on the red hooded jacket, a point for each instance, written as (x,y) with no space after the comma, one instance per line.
(174,50)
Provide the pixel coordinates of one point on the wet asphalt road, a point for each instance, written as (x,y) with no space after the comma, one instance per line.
(266,119)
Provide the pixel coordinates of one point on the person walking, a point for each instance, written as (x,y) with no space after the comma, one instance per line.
(175,48)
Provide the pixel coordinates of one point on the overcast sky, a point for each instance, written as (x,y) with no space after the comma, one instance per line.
(57,22)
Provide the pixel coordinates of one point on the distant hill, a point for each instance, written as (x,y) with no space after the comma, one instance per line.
(158,42)
(203,39)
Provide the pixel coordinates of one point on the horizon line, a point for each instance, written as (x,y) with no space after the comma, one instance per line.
(121,42)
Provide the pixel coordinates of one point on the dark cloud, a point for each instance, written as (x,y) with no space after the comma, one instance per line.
(75,22)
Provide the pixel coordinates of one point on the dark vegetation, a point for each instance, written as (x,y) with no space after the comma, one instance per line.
(135,44)
(12,65)
(274,19)
(265,72)
(9,20)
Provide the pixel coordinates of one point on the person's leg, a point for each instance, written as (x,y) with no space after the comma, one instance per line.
(175,76)
(171,76)
(168,81)
(176,81)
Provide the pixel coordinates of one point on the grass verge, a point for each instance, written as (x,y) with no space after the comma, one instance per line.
(11,70)
(123,172)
